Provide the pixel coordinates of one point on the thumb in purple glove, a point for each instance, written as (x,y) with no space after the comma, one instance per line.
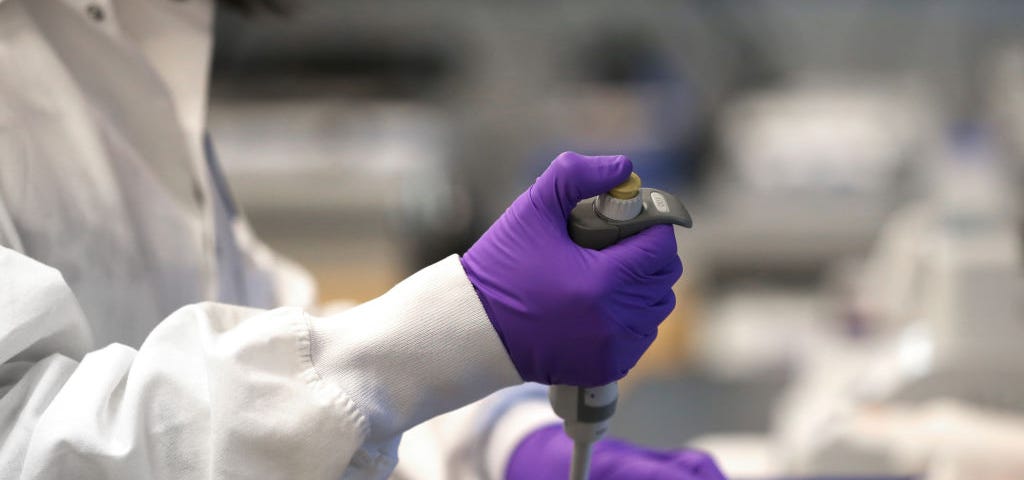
(546,454)
(567,314)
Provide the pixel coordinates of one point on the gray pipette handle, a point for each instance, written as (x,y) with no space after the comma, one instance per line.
(589,228)
(587,413)
(596,223)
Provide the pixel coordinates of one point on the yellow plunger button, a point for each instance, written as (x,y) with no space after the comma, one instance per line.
(628,189)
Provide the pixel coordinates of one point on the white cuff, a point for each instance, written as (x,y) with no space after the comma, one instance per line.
(424,348)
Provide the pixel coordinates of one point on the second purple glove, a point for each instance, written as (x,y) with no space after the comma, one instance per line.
(567,314)
(545,455)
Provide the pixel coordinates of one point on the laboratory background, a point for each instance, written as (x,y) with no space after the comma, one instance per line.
(853,298)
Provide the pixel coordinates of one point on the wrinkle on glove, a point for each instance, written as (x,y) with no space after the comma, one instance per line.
(546,454)
(568,314)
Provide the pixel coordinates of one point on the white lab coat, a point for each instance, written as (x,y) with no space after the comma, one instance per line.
(117,237)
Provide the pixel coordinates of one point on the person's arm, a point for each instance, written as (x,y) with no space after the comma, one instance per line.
(230,392)
(221,391)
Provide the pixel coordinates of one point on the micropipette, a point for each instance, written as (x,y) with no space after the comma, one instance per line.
(596,223)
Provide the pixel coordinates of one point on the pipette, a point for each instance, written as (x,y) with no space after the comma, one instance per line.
(596,223)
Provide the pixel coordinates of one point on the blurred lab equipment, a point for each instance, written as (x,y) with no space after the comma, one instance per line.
(921,387)
(830,156)
(946,281)
(323,201)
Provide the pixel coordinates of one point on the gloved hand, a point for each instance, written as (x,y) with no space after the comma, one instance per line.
(546,454)
(568,314)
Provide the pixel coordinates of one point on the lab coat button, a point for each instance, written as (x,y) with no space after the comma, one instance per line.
(197,193)
(95,12)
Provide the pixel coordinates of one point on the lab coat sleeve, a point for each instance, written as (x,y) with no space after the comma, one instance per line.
(218,391)
(426,342)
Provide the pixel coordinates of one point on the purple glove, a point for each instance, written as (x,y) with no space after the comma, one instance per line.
(567,314)
(547,452)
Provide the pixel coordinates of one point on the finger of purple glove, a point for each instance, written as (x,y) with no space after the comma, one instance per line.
(646,252)
(564,183)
